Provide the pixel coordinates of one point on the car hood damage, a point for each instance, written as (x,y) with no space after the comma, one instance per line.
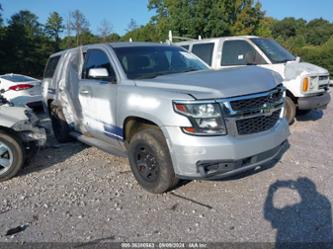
(223,83)
(293,69)
(24,122)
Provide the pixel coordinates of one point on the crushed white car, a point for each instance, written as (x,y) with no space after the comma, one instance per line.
(21,90)
(20,136)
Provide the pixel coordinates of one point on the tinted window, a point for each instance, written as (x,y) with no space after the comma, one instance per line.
(51,66)
(96,58)
(140,62)
(17,78)
(240,53)
(273,50)
(204,52)
(187,47)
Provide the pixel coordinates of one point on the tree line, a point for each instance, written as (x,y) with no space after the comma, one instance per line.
(25,43)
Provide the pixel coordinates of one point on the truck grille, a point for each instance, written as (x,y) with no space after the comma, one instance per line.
(253,113)
(257,124)
(255,103)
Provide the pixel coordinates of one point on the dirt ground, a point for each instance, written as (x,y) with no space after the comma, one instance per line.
(72,192)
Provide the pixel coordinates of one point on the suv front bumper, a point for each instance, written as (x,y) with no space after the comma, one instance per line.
(221,156)
(314,102)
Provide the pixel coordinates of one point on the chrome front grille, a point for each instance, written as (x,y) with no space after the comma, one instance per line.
(253,113)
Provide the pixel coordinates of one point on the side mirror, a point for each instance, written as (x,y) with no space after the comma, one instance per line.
(298,59)
(100,74)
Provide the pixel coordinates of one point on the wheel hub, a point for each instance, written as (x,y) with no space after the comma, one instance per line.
(6,158)
(146,164)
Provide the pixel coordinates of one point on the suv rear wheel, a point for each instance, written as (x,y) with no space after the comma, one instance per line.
(11,155)
(151,162)
(60,127)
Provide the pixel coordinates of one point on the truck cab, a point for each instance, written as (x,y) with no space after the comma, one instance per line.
(307,84)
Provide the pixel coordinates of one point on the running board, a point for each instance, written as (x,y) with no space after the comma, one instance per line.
(99,144)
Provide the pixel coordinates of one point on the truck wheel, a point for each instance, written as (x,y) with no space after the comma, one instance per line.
(60,127)
(290,110)
(11,155)
(151,162)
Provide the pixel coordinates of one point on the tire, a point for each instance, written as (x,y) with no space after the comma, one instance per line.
(60,127)
(151,162)
(290,110)
(12,152)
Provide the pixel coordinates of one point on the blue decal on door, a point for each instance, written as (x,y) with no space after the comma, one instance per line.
(113,131)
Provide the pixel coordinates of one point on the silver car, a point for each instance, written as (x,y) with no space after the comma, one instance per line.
(163,108)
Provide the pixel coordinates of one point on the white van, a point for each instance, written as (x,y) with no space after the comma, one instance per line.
(307,84)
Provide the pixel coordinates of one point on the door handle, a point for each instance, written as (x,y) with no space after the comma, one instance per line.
(84,92)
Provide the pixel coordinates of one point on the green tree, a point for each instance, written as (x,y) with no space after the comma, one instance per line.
(288,27)
(318,31)
(54,27)
(209,18)
(26,48)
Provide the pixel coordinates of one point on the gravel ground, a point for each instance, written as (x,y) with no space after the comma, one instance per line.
(74,193)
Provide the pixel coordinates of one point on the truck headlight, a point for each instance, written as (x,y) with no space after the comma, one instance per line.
(206,118)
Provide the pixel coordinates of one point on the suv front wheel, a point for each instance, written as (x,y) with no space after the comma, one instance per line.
(151,162)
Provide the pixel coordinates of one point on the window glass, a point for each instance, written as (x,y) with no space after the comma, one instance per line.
(240,53)
(16,78)
(273,50)
(143,62)
(204,51)
(51,66)
(96,58)
(187,47)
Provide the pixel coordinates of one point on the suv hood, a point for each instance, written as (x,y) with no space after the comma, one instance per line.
(294,69)
(223,83)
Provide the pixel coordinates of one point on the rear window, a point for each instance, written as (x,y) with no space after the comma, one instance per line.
(17,78)
(51,66)
(204,51)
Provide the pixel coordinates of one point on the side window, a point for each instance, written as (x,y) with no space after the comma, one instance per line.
(95,58)
(204,51)
(51,66)
(240,53)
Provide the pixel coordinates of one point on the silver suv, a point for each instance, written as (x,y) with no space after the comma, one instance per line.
(166,110)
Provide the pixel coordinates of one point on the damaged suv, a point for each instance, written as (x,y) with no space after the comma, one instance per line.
(166,110)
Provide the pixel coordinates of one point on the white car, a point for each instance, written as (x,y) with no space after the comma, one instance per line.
(21,90)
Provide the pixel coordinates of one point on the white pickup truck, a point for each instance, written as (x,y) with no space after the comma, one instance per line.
(307,84)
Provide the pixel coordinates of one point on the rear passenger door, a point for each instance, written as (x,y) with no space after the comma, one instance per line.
(98,97)
(240,53)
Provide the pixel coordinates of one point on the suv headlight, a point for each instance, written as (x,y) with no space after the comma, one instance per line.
(206,118)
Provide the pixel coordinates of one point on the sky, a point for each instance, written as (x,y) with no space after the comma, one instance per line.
(120,12)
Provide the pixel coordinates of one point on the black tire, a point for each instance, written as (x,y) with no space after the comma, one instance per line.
(290,110)
(151,162)
(17,153)
(60,127)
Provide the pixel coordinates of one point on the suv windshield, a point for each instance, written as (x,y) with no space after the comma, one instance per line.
(144,62)
(273,50)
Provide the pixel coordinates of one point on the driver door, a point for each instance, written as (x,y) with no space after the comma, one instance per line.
(97,96)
